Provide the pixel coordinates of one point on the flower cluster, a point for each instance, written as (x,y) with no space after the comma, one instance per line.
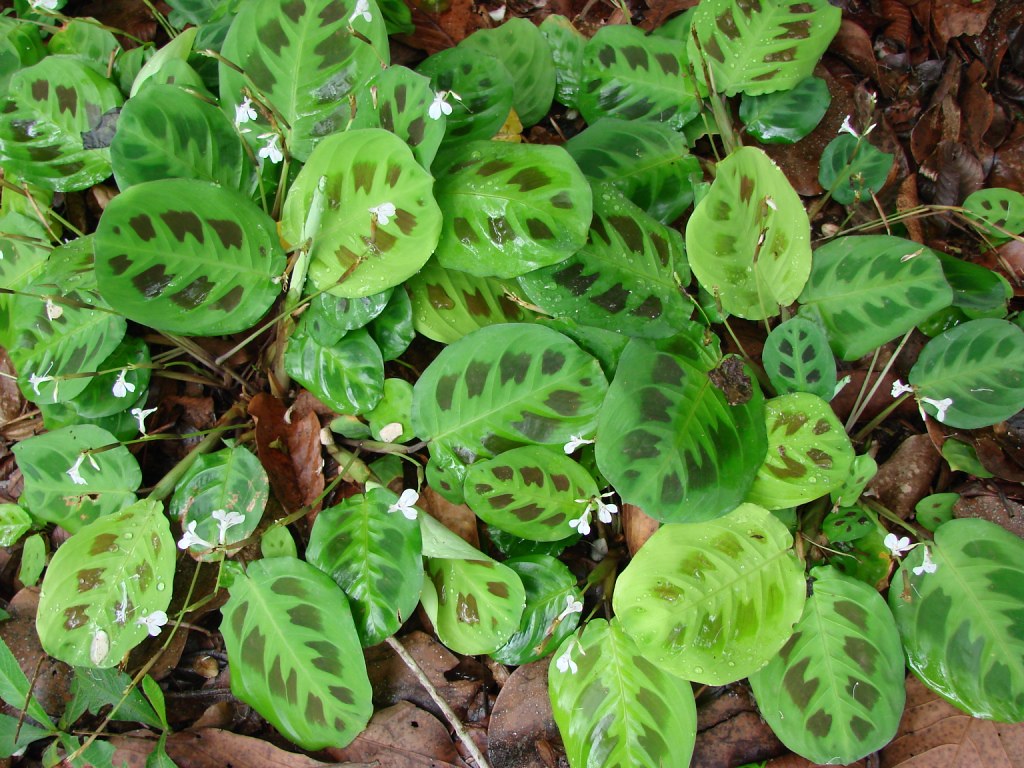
(941,406)
(603,509)
(899,546)
(225,521)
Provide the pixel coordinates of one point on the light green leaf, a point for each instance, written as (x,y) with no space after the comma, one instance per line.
(347,376)
(852,169)
(797,358)
(485,89)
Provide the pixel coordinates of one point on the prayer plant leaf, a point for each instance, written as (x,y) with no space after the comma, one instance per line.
(187,256)
(978,291)
(166,132)
(347,376)
(447,304)
(475,603)
(960,620)
(375,556)
(378,222)
(647,162)
(797,358)
(748,240)
(20,46)
(669,440)
(505,386)
(108,587)
(973,372)
(109,475)
(305,58)
(835,692)
(628,74)
(809,453)
(868,290)
(759,47)
(852,169)
(997,207)
(56,124)
(566,44)
(626,278)
(124,384)
(294,653)
(713,602)
(785,117)
(511,208)
(532,492)
(330,317)
(614,707)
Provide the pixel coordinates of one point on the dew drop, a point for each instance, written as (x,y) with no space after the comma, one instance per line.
(129,535)
(698,670)
(160,586)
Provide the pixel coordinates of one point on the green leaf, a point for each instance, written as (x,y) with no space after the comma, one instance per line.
(395,408)
(669,440)
(785,117)
(15,687)
(978,291)
(847,524)
(166,132)
(797,358)
(330,317)
(86,39)
(375,556)
(748,240)
(305,57)
(962,457)
(94,689)
(809,454)
(935,509)
(156,68)
(448,304)
(15,522)
(125,383)
(521,47)
(628,74)
(961,624)
(511,208)
(504,386)
(868,290)
(26,734)
(155,694)
(347,376)
(159,758)
(997,207)
(532,492)
(104,583)
(393,329)
(979,366)
(625,279)
(648,162)
(357,251)
(566,44)
(713,602)
(616,707)
(57,122)
(760,47)
(109,474)
(33,560)
(852,169)
(485,89)
(862,470)
(294,653)
(835,692)
(20,47)
(277,541)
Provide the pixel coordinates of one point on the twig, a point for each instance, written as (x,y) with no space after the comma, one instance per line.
(446,710)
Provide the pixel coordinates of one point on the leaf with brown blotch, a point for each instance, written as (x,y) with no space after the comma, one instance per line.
(288,444)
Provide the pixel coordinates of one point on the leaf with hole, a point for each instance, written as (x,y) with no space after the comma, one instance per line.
(511,208)
(294,653)
(375,556)
(868,290)
(797,358)
(835,692)
(713,602)
(186,256)
(106,586)
(614,707)
(852,169)
(748,240)
(347,376)
(484,88)
(785,117)
(960,622)
(379,222)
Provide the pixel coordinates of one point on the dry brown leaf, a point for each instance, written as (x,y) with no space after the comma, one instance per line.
(953,18)
(522,727)
(402,736)
(638,527)
(457,518)
(288,444)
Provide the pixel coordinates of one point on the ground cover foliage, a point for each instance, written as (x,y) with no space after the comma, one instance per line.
(669,355)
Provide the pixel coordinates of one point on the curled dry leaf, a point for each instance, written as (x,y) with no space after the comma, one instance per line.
(289,449)
(638,526)
(402,736)
(522,722)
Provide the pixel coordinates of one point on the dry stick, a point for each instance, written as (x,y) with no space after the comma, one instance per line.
(446,710)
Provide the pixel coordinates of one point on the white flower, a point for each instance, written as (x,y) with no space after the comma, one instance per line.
(192,539)
(439,106)
(35,380)
(75,472)
(582,523)
(271,150)
(847,127)
(47,5)
(226,520)
(575,442)
(245,112)
(899,388)
(362,9)
(898,546)
(383,212)
(926,566)
(941,406)
(572,605)
(53,311)
(122,387)
(565,662)
(605,511)
(405,504)
(140,416)
(153,622)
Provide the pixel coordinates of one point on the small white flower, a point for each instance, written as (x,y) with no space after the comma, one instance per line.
(770,202)
(498,14)
(362,9)
(605,511)
(582,523)
(565,662)
(926,566)
(847,127)
(572,605)
(140,416)
(47,5)
(383,213)
(53,311)
(897,546)
(941,406)
(35,380)
(271,150)
(244,112)
(153,622)
(226,520)
(899,388)
(439,105)
(192,539)
(575,442)
(75,472)
(122,386)
(405,504)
